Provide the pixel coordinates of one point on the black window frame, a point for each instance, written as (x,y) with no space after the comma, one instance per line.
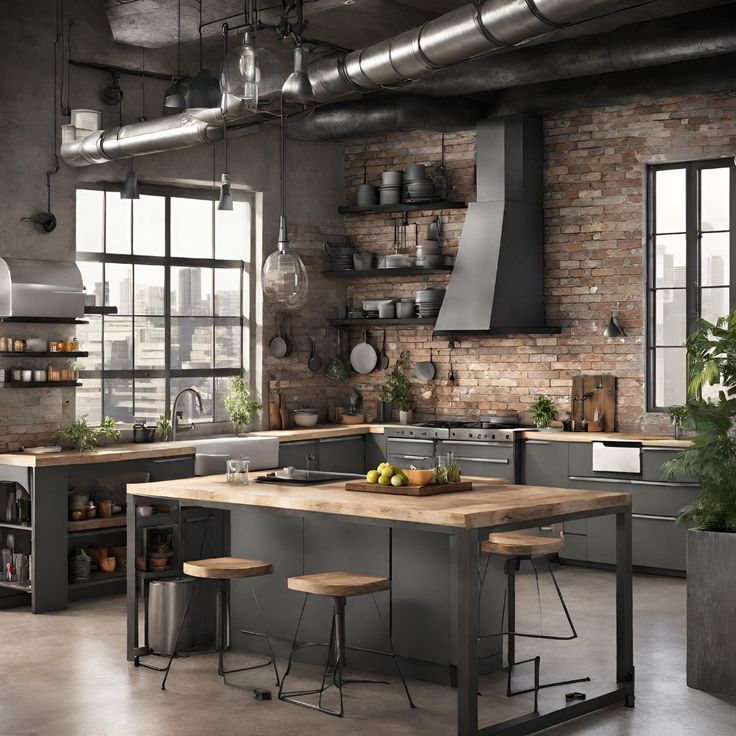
(693,237)
(243,321)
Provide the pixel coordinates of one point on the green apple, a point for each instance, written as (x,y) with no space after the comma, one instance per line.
(372,476)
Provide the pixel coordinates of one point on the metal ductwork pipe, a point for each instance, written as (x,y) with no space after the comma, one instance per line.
(648,44)
(375,116)
(472,30)
(185,130)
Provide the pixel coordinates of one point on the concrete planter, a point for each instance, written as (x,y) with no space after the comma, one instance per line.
(711,611)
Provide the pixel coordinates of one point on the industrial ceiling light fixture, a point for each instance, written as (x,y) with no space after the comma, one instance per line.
(204,89)
(249,72)
(225,202)
(297,87)
(284,278)
(612,329)
(175,95)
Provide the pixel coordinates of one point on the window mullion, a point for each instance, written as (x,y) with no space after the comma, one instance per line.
(692,270)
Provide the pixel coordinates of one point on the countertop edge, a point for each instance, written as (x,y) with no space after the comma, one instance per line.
(104,454)
(649,439)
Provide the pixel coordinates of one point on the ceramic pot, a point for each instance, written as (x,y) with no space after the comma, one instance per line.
(405,416)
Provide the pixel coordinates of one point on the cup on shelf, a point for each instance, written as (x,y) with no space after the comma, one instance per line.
(26,375)
(386,310)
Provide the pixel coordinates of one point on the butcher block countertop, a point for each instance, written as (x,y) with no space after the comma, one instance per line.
(320,432)
(650,440)
(110,453)
(488,504)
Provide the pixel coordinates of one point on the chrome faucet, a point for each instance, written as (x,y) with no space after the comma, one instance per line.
(174,418)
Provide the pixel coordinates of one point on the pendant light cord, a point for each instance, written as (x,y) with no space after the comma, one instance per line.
(282,162)
(178,42)
(225,29)
(57,40)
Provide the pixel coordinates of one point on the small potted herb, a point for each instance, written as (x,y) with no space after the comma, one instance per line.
(397,389)
(241,408)
(163,428)
(679,417)
(83,437)
(544,412)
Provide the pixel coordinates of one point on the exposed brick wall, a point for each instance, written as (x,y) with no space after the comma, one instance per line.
(594,184)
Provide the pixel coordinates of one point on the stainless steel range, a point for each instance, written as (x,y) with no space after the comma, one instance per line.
(484,448)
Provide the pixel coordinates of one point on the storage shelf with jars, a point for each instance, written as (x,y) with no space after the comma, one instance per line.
(41,348)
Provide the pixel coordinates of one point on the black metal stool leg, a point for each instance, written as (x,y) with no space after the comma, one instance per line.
(176,641)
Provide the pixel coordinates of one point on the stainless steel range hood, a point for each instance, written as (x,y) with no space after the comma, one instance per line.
(497,285)
(40,289)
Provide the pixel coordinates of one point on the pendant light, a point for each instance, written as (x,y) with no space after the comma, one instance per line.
(250,72)
(297,87)
(284,277)
(129,189)
(204,89)
(225,202)
(175,95)
(612,329)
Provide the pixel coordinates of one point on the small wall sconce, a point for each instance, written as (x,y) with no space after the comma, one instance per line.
(612,329)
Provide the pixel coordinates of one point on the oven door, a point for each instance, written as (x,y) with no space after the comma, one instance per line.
(404,452)
(483,459)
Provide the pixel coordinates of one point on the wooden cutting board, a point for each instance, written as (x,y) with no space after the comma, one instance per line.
(431,489)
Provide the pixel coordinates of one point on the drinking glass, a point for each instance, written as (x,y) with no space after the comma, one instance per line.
(237,471)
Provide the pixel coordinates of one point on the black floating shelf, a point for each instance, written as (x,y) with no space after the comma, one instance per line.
(438,204)
(375,272)
(100,310)
(379,322)
(41,384)
(44,354)
(45,320)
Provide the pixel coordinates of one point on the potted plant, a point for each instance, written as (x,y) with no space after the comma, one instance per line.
(163,428)
(83,437)
(397,389)
(711,542)
(678,417)
(544,412)
(241,408)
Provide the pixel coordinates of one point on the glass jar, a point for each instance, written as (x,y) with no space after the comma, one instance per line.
(75,345)
(237,471)
(3,344)
(446,469)
(19,346)
(69,344)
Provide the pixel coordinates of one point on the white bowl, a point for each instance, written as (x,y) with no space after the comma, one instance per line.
(144,510)
(302,419)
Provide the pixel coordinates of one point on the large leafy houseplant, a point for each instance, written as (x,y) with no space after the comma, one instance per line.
(397,389)
(82,436)
(711,358)
(241,408)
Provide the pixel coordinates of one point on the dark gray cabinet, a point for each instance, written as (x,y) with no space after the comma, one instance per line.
(342,454)
(375,450)
(652,459)
(404,452)
(544,463)
(483,459)
(296,453)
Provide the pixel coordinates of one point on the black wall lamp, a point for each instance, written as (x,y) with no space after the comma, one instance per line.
(613,329)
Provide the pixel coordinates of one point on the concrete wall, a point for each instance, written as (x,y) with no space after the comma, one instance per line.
(27,35)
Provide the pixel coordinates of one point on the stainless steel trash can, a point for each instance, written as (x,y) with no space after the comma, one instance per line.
(167,600)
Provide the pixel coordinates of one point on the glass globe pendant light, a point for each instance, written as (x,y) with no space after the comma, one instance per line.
(249,72)
(284,278)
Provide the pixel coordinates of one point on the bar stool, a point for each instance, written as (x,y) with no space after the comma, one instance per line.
(339,586)
(515,547)
(222,570)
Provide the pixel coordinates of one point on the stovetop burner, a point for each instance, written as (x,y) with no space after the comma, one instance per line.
(457,424)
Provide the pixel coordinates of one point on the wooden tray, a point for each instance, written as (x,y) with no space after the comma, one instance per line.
(431,489)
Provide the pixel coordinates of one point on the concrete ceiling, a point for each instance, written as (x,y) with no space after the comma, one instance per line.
(347,23)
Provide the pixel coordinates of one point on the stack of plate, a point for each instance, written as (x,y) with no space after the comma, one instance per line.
(342,258)
(367,195)
(429,254)
(390,190)
(370,307)
(417,187)
(429,302)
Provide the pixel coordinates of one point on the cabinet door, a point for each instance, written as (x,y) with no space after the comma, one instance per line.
(296,453)
(658,542)
(342,454)
(654,498)
(375,450)
(652,459)
(172,468)
(544,463)
(599,524)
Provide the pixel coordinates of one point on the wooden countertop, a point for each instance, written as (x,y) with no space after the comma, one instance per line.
(105,454)
(320,431)
(651,440)
(488,504)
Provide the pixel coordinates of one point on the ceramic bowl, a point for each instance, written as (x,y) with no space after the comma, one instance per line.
(107,564)
(305,417)
(419,477)
(144,510)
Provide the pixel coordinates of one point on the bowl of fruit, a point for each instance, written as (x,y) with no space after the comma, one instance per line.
(387,475)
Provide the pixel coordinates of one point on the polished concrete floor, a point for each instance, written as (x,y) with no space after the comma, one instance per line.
(65,674)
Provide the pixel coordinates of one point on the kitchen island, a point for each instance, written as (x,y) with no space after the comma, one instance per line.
(461,519)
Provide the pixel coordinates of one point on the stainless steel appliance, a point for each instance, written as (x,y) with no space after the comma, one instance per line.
(484,448)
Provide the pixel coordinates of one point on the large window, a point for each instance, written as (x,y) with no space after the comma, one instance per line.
(692,255)
(177,270)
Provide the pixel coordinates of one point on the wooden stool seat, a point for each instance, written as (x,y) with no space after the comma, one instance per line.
(519,544)
(338,584)
(226,568)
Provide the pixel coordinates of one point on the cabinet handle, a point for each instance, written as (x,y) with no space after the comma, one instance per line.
(495,460)
(300,442)
(663,483)
(464,443)
(588,479)
(197,520)
(659,449)
(654,518)
(173,459)
(537,442)
(401,439)
(340,439)
(410,457)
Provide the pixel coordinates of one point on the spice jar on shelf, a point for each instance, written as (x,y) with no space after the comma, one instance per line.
(4,345)
(69,344)
(53,373)
(19,346)
(75,345)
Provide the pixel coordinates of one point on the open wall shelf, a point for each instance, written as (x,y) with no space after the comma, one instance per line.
(437,204)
